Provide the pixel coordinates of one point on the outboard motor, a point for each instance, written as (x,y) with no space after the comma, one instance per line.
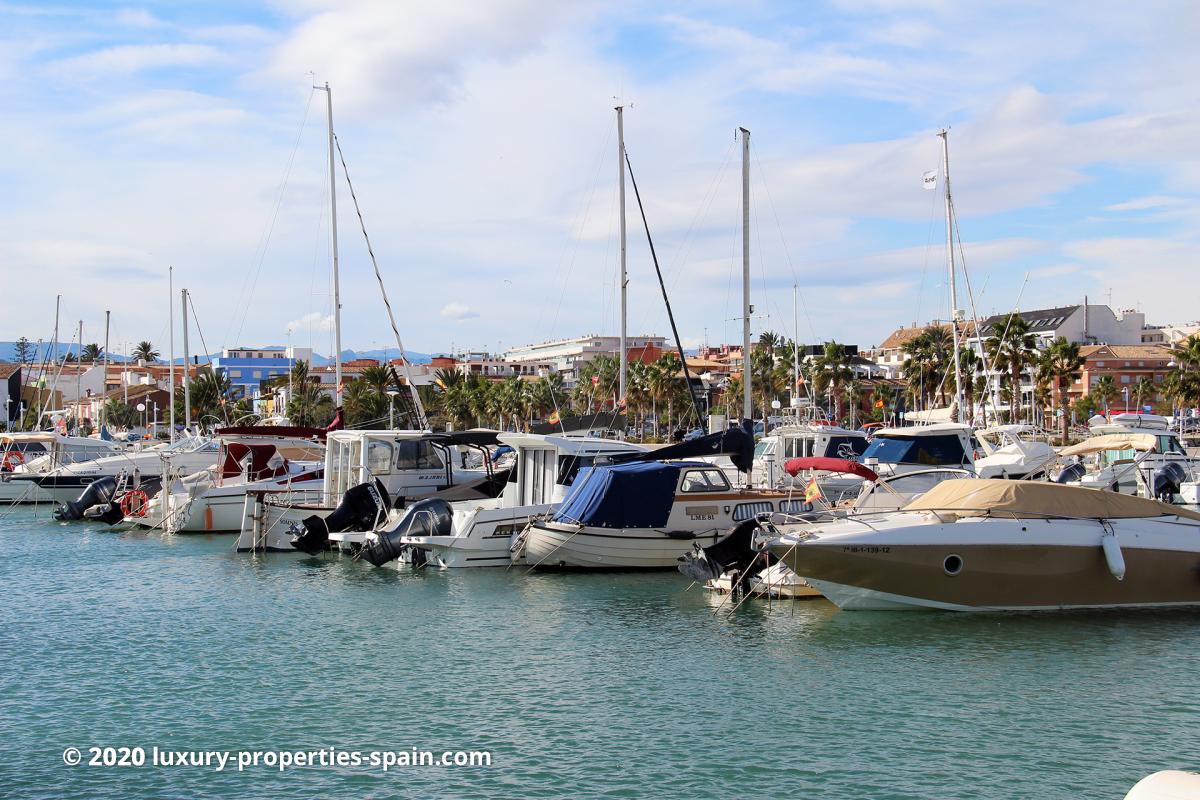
(98,492)
(1071,473)
(113,511)
(1165,482)
(361,506)
(734,552)
(429,517)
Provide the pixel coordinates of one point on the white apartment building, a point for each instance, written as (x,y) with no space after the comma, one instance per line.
(566,356)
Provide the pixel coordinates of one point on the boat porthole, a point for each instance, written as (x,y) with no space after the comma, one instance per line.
(952,564)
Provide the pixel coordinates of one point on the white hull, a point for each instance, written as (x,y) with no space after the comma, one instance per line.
(483,537)
(555,545)
(22,492)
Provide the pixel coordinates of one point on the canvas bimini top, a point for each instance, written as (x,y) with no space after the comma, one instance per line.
(633,495)
(978,497)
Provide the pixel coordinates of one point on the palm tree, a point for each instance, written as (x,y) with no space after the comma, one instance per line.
(1105,391)
(120,415)
(1061,363)
(832,371)
(210,395)
(1012,348)
(91,352)
(309,405)
(969,364)
(1144,388)
(145,352)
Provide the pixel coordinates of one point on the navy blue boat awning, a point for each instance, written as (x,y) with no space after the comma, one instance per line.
(636,495)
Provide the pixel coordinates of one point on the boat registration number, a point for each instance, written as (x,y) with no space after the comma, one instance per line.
(864,548)
(701,512)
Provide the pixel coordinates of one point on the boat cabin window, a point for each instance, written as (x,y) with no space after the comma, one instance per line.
(379,458)
(1169,444)
(1112,457)
(928,450)
(762,448)
(847,447)
(417,455)
(704,480)
(797,447)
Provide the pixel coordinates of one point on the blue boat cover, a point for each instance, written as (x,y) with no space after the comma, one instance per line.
(636,495)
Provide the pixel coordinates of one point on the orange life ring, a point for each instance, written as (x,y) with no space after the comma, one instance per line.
(13,457)
(128,509)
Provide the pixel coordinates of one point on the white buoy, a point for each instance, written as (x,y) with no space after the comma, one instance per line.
(1170,784)
(1112,554)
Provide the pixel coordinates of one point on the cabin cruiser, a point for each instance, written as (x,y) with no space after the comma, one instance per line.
(975,545)
(400,466)
(896,450)
(270,458)
(479,532)
(65,483)
(35,454)
(646,513)
(1012,451)
(804,439)
(1111,469)
(733,565)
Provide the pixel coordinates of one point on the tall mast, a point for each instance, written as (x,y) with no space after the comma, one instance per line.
(747,411)
(79,382)
(624,277)
(795,340)
(54,345)
(958,388)
(187,365)
(337,296)
(171,339)
(104,380)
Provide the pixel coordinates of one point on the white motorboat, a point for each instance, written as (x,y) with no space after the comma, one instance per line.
(34,454)
(1001,545)
(807,439)
(1111,469)
(893,451)
(480,532)
(1013,451)
(404,465)
(268,458)
(66,483)
(644,515)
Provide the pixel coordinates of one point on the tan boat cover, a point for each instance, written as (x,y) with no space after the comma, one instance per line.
(977,497)
(1142,442)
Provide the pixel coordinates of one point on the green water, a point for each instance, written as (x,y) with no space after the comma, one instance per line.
(615,685)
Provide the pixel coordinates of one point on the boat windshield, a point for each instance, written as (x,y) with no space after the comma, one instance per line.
(929,450)
(192,444)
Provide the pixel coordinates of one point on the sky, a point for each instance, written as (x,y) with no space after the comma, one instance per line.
(481,141)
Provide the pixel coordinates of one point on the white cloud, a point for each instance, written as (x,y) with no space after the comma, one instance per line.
(458,311)
(314,321)
(1150,202)
(124,60)
(137,18)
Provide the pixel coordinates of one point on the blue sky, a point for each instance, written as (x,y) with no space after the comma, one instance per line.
(480,137)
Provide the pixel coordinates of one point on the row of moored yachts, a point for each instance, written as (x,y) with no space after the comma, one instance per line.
(936,516)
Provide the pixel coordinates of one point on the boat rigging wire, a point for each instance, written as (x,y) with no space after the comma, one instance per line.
(251,278)
(762,178)
(670,314)
(422,422)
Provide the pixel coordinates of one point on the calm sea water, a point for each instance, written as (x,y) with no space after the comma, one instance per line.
(618,685)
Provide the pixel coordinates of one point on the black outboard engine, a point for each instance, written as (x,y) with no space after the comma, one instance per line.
(1165,482)
(98,492)
(734,552)
(113,511)
(360,508)
(1071,473)
(429,517)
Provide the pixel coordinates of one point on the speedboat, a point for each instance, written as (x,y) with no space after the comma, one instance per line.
(449,533)
(1112,467)
(975,545)
(893,451)
(399,466)
(1012,451)
(804,439)
(32,455)
(65,483)
(268,458)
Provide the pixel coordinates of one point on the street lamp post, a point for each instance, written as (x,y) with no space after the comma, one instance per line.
(391,393)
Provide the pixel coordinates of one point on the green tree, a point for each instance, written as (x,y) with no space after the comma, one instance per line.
(91,352)
(25,351)
(1012,348)
(309,404)
(145,352)
(1061,363)
(1105,392)
(831,373)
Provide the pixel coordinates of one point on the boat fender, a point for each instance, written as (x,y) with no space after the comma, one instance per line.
(98,492)
(1112,553)
(1169,784)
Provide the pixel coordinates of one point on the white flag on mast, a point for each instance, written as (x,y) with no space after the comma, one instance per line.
(929,180)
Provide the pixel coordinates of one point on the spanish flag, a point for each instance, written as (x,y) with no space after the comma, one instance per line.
(812,491)
(879,403)
(554,419)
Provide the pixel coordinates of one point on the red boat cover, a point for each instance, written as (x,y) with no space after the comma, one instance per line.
(796,465)
(265,461)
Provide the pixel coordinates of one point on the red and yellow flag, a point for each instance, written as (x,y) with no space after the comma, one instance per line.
(812,491)
(554,419)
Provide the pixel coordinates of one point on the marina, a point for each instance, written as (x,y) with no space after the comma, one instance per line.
(658,418)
